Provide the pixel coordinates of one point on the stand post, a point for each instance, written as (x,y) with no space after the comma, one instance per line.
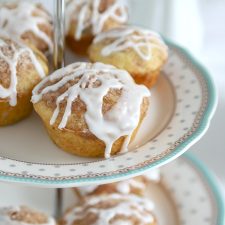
(59,24)
(58,61)
(58,203)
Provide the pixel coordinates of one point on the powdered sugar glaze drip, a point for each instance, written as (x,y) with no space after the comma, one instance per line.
(107,127)
(122,212)
(10,53)
(90,16)
(142,41)
(123,187)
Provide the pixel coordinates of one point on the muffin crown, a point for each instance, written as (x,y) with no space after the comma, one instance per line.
(153,175)
(111,210)
(20,17)
(142,41)
(123,187)
(94,13)
(11,53)
(22,215)
(91,84)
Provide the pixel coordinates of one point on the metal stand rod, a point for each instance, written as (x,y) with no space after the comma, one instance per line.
(58,203)
(58,62)
(59,24)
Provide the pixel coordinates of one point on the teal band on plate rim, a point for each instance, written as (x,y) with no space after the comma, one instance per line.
(213,184)
(202,128)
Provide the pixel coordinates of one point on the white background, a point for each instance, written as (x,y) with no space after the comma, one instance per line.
(211,149)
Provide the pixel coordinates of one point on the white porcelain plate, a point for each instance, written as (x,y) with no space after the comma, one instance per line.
(182,105)
(187,195)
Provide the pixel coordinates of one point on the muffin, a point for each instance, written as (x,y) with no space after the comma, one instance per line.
(23,215)
(139,51)
(20,70)
(86,18)
(91,110)
(29,22)
(152,175)
(111,209)
(137,186)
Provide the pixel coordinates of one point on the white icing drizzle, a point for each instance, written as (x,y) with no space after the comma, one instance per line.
(153,175)
(123,187)
(86,190)
(18,50)
(89,15)
(142,41)
(108,127)
(128,205)
(16,21)
(6,220)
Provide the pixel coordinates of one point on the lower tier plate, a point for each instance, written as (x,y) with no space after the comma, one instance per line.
(187,194)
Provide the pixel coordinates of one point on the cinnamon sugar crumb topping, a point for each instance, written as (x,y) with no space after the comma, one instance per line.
(26,215)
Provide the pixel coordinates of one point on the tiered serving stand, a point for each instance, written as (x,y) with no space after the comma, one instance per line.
(182,105)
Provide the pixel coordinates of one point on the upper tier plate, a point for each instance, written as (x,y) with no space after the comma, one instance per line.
(182,105)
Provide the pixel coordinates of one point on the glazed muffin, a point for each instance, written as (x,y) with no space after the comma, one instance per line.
(86,18)
(152,175)
(137,186)
(91,110)
(111,209)
(29,22)
(23,215)
(139,51)
(20,70)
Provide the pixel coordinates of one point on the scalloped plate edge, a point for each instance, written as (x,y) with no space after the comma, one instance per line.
(214,184)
